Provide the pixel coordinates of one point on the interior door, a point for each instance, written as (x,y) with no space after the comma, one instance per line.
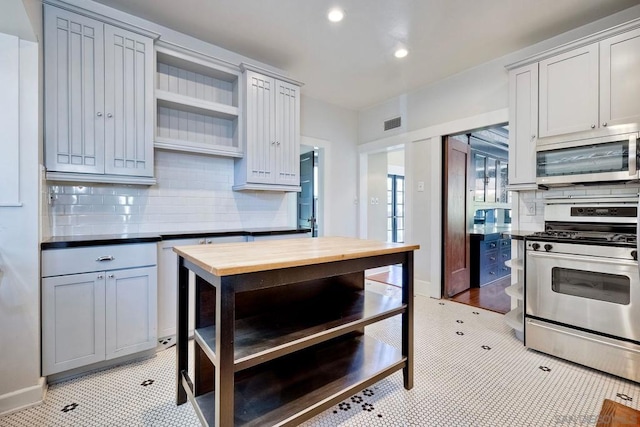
(456,217)
(306,205)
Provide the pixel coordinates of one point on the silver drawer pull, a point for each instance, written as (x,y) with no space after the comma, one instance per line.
(105,258)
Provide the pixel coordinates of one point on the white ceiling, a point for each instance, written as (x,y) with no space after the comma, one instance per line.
(351,63)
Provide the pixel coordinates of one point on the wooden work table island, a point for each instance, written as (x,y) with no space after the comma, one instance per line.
(279,327)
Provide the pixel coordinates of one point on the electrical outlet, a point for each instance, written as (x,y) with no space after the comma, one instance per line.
(420,185)
(530,209)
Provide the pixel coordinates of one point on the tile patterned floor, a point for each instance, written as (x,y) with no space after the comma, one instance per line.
(469,371)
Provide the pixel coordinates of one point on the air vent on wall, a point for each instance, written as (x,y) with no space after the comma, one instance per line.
(392,123)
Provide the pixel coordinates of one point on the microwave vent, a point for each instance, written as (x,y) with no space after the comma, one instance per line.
(396,122)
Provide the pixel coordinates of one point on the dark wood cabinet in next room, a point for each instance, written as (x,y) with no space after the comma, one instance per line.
(488,255)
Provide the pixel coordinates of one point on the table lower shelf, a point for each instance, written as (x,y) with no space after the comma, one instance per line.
(273,334)
(291,389)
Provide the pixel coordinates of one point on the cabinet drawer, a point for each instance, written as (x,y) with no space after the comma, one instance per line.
(490,274)
(490,244)
(488,258)
(57,262)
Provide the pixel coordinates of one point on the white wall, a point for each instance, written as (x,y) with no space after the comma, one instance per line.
(20,382)
(471,99)
(376,199)
(338,126)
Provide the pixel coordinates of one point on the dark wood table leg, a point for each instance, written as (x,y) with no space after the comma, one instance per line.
(182,329)
(407,319)
(225,326)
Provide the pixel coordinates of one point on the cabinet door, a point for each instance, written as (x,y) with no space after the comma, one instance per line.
(287,131)
(74,92)
(260,137)
(128,103)
(491,181)
(480,168)
(620,79)
(73,317)
(523,125)
(131,311)
(569,92)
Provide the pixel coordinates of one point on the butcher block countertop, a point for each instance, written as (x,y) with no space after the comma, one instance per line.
(238,258)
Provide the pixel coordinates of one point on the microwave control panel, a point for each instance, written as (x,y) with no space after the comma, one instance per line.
(606,211)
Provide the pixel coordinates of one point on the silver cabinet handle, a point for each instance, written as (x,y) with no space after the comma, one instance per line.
(100,276)
(604,124)
(109,115)
(593,126)
(277,142)
(105,258)
(208,241)
(99,114)
(533,137)
(201,242)
(111,276)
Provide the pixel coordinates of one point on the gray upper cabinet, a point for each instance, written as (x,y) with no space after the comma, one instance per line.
(569,92)
(272,135)
(98,100)
(620,79)
(523,125)
(591,87)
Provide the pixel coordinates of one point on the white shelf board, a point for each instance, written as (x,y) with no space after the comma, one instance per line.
(196,147)
(515,264)
(195,105)
(514,319)
(516,291)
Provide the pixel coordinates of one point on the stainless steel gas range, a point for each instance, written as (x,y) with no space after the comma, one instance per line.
(582,284)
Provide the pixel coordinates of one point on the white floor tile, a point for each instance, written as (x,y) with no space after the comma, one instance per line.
(470,370)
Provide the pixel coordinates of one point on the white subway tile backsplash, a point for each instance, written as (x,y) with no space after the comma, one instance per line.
(193,192)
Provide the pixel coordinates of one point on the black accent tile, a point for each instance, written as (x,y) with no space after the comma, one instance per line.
(70,407)
(460,333)
(146,383)
(368,392)
(486,347)
(344,406)
(624,397)
(544,368)
(367,407)
(459,321)
(357,399)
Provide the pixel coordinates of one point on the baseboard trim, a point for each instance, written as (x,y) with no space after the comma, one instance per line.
(421,287)
(23,398)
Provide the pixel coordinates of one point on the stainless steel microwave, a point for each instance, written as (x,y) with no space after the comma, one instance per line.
(603,156)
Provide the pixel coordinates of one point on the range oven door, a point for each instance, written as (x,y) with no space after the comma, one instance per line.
(591,292)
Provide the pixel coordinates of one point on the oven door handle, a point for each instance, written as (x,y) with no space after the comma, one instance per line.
(589,259)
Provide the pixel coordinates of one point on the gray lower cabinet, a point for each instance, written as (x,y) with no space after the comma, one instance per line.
(168,281)
(488,259)
(98,303)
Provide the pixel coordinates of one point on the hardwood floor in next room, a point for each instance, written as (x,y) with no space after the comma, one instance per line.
(490,297)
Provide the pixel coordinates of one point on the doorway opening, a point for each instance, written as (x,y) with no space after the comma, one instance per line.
(476,211)
(307,198)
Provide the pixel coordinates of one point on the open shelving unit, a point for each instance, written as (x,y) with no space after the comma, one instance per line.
(515,317)
(277,347)
(197,100)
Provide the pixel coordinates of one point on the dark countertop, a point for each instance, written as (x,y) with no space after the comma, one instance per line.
(517,234)
(489,232)
(59,242)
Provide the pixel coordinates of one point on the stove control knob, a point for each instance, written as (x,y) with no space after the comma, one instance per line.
(535,246)
(547,247)
(634,255)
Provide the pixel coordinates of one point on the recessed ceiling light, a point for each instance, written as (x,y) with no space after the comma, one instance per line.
(335,15)
(401,53)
